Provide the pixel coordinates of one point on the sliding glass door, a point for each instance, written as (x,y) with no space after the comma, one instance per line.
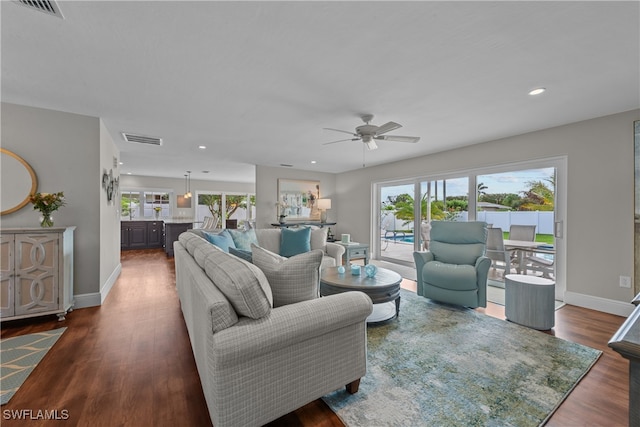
(516,201)
(525,195)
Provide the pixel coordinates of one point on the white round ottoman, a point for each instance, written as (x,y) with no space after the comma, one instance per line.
(530,301)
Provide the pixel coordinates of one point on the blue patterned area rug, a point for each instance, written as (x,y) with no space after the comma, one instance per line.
(19,356)
(441,365)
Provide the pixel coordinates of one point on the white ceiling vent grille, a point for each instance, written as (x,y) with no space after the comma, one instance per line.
(50,7)
(141,139)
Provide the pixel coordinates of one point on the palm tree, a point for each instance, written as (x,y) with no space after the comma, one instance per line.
(481,188)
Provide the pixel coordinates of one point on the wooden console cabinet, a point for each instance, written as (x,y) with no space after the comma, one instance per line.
(36,272)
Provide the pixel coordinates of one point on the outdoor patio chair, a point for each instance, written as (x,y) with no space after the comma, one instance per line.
(525,233)
(425,234)
(496,251)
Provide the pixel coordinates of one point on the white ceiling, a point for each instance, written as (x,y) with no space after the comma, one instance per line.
(256,82)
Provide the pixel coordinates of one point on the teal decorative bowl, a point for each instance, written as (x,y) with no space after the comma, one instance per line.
(370,270)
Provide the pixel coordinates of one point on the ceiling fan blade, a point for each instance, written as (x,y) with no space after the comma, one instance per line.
(341,140)
(387,127)
(343,131)
(398,138)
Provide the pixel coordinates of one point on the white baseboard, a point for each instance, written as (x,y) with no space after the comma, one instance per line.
(104,291)
(86,300)
(96,299)
(619,308)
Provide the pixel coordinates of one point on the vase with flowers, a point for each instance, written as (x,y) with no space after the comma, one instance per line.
(47,203)
(157,211)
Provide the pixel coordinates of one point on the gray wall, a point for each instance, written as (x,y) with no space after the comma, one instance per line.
(599,229)
(267,191)
(109,218)
(66,150)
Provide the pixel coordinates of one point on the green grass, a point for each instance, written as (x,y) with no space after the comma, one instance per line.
(543,238)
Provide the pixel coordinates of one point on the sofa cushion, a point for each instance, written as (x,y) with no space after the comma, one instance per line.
(456,253)
(222,240)
(292,279)
(295,241)
(243,239)
(450,276)
(269,238)
(242,283)
(319,238)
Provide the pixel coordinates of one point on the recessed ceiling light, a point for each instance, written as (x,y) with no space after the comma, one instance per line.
(313,162)
(128,173)
(202,147)
(537,91)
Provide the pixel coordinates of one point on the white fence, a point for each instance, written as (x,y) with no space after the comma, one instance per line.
(542,220)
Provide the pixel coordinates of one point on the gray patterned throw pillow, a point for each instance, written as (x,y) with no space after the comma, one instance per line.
(292,279)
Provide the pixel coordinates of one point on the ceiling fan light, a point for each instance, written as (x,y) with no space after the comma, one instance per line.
(371,145)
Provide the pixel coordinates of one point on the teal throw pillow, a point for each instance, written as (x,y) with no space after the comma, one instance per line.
(245,255)
(243,239)
(295,241)
(222,240)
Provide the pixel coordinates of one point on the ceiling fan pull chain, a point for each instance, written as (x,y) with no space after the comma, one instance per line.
(363,151)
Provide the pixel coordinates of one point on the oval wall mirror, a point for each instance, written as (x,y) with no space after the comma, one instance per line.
(18,182)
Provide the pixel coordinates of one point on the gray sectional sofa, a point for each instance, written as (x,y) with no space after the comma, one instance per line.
(257,363)
(269,238)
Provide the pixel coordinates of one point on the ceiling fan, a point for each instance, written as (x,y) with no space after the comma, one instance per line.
(369,133)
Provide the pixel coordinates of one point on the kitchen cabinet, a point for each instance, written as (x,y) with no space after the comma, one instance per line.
(141,234)
(171,232)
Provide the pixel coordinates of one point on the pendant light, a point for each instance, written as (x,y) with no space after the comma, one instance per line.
(188,195)
(186,189)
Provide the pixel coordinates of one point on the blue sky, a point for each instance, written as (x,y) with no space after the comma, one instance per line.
(506,182)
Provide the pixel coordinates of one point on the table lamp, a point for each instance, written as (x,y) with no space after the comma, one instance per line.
(323,205)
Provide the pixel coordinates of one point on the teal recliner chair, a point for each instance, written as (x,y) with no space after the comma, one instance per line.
(454,269)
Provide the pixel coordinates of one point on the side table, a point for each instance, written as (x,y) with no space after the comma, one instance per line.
(530,301)
(355,251)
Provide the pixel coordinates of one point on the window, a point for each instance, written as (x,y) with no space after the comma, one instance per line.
(238,208)
(141,204)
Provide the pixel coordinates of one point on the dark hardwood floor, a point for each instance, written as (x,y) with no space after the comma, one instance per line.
(129,362)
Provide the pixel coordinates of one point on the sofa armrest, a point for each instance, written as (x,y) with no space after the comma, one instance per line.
(336,251)
(288,325)
(483,264)
(420,259)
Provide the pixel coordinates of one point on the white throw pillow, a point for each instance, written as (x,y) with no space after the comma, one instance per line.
(292,279)
(319,238)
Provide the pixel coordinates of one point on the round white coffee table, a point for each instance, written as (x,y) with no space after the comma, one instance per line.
(530,301)
(383,289)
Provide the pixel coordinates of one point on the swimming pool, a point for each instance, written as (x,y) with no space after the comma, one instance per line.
(398,237)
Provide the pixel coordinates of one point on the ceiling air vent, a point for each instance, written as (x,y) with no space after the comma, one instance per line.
(50,7)
(141,139)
